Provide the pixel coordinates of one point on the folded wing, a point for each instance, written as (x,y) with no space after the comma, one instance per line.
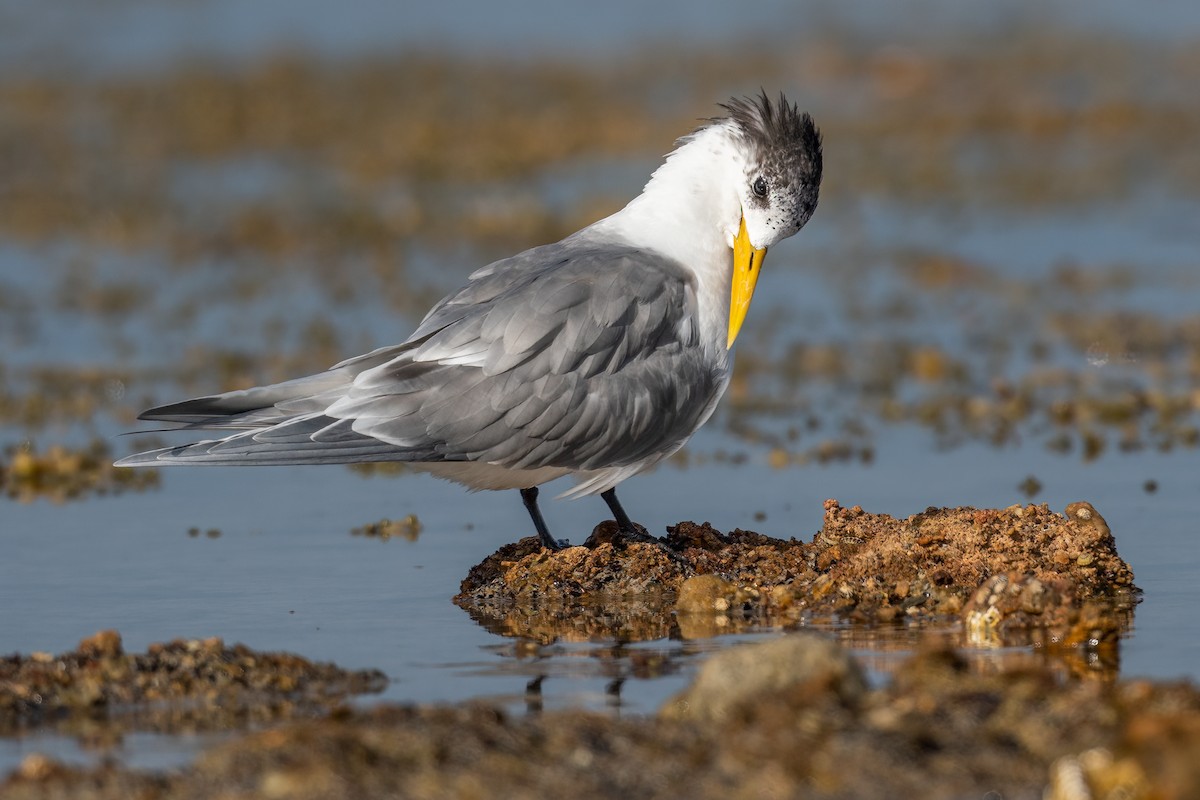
(571,355)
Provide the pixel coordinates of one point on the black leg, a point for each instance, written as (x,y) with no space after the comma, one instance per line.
(613,690)
(549,542)
(533,695)
(614,505)
(628,529)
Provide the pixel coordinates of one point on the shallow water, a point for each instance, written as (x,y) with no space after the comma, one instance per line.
(285,573)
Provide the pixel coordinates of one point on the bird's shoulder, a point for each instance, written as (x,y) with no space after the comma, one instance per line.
(561,303)
(553,277)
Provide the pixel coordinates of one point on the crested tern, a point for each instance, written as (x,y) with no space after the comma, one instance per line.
(597,356)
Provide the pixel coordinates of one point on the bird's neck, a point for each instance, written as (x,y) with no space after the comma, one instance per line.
(689,209)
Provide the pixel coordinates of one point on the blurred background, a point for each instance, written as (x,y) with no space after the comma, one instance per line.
(995,302)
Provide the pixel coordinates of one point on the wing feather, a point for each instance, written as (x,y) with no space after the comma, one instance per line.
(583,363)
(576,356)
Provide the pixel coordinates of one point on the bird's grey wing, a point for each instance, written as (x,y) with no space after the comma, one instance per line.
(575,357)
(284,422)
(565,356)
(263,406)
(304,439)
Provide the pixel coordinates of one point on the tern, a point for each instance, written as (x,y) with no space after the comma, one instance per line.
(594,357)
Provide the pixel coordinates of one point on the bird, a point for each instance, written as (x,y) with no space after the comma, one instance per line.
(594,357)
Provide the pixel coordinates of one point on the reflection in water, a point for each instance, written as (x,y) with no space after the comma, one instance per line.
(880,649)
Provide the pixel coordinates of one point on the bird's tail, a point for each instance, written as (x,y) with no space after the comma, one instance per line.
(314,439)
(283,423)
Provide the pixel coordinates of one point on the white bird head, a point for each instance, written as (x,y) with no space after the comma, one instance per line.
(779,189)
(743,181)
(782,169)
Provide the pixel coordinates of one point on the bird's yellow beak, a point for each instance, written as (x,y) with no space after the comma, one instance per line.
(747,261)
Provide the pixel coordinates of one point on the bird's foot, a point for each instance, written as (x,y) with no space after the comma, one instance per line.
(637,533)
(552,544)
(609,532)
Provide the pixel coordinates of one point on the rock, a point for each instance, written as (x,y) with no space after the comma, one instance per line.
(708,605)
(732,681)
(190,684)
(105,644)
(1096,775)
(860,567)
(705,594)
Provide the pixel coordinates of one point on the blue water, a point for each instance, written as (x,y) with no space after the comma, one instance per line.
(132,35)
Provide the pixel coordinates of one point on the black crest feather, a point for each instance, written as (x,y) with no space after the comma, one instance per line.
(779,128)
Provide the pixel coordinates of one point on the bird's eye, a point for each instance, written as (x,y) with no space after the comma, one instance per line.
(760,187)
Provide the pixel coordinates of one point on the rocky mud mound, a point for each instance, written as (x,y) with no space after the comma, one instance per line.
(179,685)
(792,717)
(1003,572)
